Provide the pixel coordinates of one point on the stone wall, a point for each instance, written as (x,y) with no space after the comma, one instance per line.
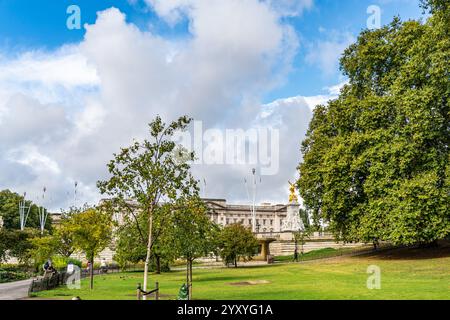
(286,248)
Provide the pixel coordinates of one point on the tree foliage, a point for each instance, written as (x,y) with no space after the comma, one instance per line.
(237,242)
(132,235)
(194,233)
(42,249)
(9,212)
(17,244)
(376,160)
(92,233)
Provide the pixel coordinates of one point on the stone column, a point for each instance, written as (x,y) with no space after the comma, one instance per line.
(264,249)
(276,224)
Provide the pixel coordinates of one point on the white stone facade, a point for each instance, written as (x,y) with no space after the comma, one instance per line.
(269,218)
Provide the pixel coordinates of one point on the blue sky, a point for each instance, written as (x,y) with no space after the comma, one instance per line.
(26,25)
(69,99)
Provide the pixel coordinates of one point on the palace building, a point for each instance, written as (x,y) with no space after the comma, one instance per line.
(274,227)
(269,217)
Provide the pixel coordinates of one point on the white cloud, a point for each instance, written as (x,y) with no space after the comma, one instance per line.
(48,76)
(174,10)
(336,89)
(325,54)
(68,125)
(66,67)
(30,156)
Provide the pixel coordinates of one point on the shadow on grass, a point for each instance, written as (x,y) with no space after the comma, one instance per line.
(411,253)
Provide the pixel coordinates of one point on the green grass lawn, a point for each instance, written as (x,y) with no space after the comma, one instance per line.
(405,274)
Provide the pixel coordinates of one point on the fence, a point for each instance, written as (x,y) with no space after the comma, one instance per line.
(60,278)
(141,293)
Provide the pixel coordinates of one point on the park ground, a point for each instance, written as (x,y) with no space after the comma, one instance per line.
(405,274)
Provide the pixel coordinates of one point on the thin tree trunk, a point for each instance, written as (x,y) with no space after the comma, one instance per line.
(91,273)
(158,264)
(190,279)
(187,273)
(235,262)
(149,249)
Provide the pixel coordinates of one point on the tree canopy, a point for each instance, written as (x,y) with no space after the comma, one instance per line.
(92,233)
(9,211)
(237,242)
(132,235)
(376,160)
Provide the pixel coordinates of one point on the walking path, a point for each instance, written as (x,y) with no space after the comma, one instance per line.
(14,290)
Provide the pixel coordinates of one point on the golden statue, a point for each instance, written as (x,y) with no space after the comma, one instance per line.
(292,197)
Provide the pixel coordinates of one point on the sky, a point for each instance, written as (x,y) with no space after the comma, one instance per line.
(70,98)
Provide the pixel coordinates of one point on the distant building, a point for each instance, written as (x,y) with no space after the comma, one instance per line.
(274,226)
(269,217)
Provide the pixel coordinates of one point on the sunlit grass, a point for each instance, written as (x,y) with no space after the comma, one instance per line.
(402,277)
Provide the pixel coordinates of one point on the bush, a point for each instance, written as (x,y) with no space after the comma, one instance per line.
(75,262)
(10,275)
(164,264)
(60,262)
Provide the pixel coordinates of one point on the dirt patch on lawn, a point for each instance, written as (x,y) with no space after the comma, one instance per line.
(249,283)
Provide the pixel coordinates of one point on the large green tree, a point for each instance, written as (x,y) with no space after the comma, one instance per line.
(376,159)
(13,241)
(9,211)
(17,244)
(150,172)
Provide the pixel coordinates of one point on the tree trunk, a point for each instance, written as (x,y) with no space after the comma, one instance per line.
(235,262)
(158,264)
(190,279)
(91,272)
(296,250)
(149,249)
(187,276)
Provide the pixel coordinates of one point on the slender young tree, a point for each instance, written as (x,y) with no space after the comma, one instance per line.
(149,173)
(131,243)
(194,233)
(91,231)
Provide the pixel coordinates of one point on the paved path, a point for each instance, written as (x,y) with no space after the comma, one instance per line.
(14,290)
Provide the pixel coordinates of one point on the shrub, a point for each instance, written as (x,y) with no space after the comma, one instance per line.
(9,275)
(60,262)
